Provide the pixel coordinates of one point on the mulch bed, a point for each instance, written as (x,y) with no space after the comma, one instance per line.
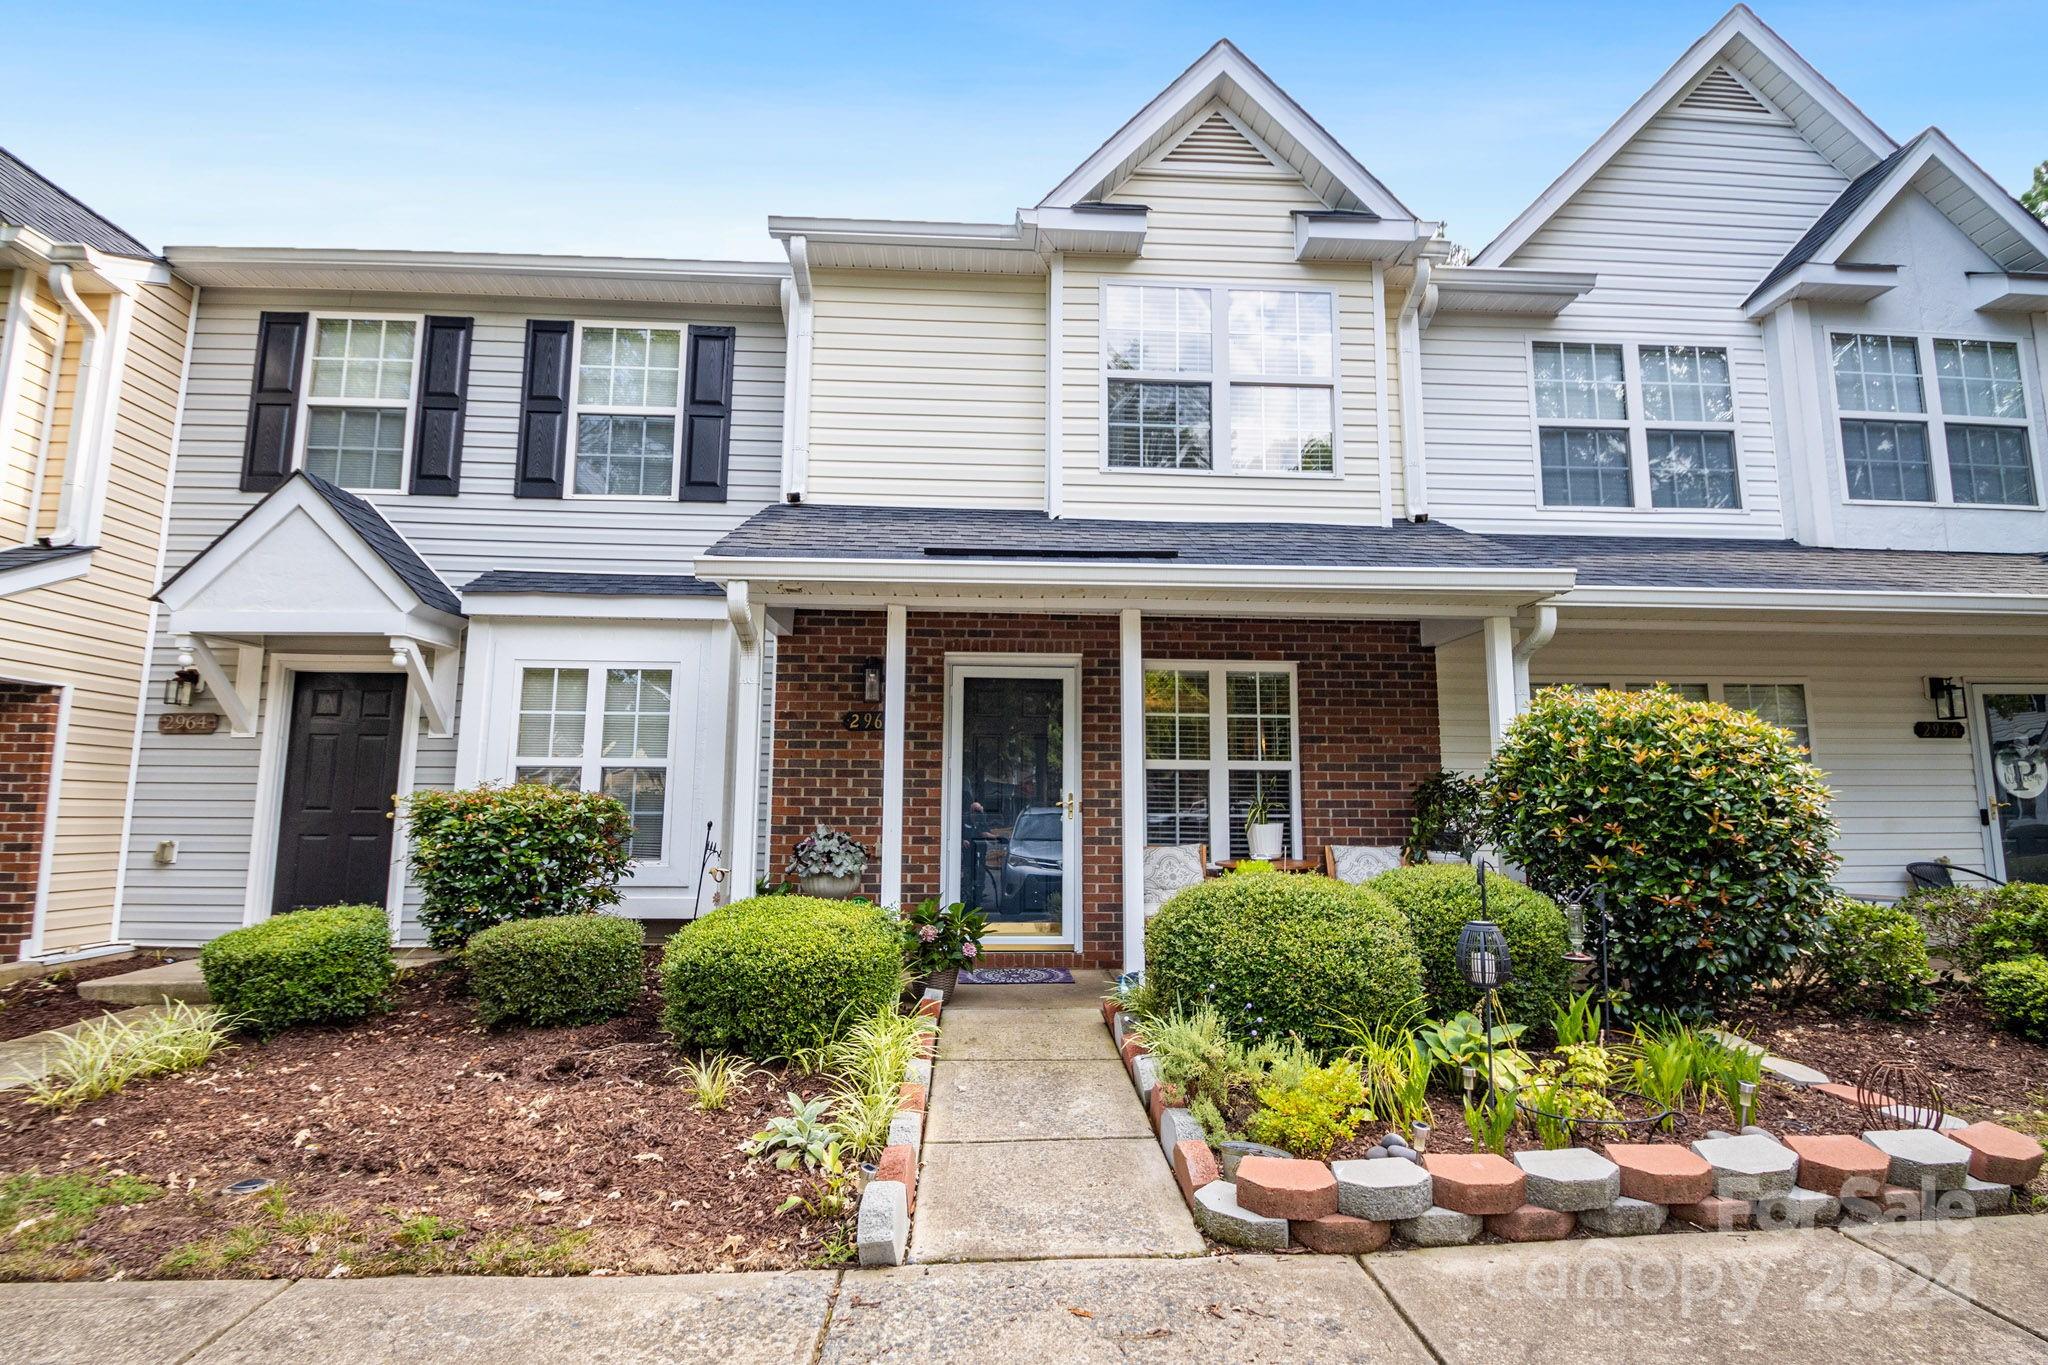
(545,1150)
(51,1000)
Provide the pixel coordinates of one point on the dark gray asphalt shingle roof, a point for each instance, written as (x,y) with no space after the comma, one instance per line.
(389,546)
(27,556)
(814,531)
(593,584)
(29,199)
(1832,217)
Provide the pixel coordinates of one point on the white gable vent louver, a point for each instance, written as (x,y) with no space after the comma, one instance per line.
(1217,142)
(1721,94)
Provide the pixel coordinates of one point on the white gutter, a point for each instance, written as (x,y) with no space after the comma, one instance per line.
(1803,599)
(1416,308)
(42,466)
(797,299)
(82,441)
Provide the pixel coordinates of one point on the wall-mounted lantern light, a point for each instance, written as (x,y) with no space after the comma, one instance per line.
(1950,700)
(182,687)
(871,680)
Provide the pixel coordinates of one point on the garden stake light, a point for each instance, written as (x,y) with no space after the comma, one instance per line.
(1746,1104)
(1483,960)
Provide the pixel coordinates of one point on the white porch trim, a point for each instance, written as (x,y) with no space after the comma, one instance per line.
(1131,684)
(895,661)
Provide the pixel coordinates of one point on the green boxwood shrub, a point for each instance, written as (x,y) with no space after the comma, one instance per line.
(566,969)
(771,974)
(1869,959)
(2015,926)
(1278,954)
(326,966)
(1705,825)
(2016,993)
(493,854)
(1950,915)
(1438,898)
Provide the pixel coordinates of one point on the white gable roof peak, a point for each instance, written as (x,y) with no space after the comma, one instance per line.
(1225,77)
(1767,67)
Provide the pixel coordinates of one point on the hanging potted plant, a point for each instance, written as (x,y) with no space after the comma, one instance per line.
(938,941)
(1262,833)
(828,864)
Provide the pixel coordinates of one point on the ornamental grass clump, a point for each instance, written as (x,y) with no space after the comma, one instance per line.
(489,855)
(1705,826)
(1279,954)
(103,1056)
(326,966)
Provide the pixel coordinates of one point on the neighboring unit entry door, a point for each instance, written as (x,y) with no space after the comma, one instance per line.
(2014,758)
(340,790)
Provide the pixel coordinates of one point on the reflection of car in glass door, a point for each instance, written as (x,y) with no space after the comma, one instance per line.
(2016,732)
(1035,870)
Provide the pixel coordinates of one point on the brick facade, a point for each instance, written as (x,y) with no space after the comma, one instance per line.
(1367,732)
(28,743)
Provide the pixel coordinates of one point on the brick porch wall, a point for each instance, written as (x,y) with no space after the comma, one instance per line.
(28,742)
(1368,733)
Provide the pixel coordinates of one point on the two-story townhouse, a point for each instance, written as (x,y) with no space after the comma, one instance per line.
(91,346)
(432,523)
(1216,485)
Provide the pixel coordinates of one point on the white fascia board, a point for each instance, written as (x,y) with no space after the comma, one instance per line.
(2017,292)
(1803,599)
(31,576)
(1093,230)
(1509,289)
(431,628)
(1935,150)
(899,232)
(1824,282)
(344,268)
(1739,22)
(572,607)
(1193,88)
(1113,575)
(1320,237)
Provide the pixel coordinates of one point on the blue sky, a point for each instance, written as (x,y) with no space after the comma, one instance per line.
(674,130)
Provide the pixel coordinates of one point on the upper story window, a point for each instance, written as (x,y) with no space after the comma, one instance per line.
(628,402)
(1978,398)
(1648,427)
(359,400)
(1194,370)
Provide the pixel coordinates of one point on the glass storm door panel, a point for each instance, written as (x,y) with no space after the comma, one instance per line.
(1014,820)
(2016,762)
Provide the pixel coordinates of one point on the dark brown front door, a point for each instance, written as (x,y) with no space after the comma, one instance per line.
(341,770)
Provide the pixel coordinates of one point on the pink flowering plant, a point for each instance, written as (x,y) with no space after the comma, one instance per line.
(939,937)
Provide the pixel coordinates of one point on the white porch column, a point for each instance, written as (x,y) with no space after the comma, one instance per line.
(741,826)
(1501,698)
(1133,765)
(895,655)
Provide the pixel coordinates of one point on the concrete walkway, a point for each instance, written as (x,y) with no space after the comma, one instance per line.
(1035,1145)
(1906,1293)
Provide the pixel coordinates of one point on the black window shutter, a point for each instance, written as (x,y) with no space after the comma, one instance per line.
(274,401)
(444,388)
(544,409)
(707,415)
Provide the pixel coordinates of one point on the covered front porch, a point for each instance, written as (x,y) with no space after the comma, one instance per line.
(1020,733)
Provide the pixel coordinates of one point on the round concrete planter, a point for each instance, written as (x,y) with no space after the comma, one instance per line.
(827,886)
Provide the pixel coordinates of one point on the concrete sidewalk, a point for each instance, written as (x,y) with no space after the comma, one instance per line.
(1905,1293)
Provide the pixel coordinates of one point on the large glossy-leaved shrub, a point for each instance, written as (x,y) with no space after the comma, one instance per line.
(1705,826)
(1278,954)
(1437,899)
(771,974)
(565,969)
(326,966)
(491,854)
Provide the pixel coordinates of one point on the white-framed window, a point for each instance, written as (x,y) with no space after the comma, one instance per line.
(605,728)
(1963,441)
(361,373)
(1222,378)
(1645,427)
(1217,736)
(1781,703)
(627,410)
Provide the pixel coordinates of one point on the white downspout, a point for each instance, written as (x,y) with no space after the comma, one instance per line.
(1545,629)
(1055,423)
(49,420)
(81,443)
(796,376)
(1416,309)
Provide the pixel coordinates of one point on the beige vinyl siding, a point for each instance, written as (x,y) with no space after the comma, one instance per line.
(1898,798)
(89,633)
(1219,228)
(20,523)
(927,389)
(201,790)
(1679,227)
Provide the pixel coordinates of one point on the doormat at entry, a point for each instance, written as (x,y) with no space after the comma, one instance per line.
(1017,976)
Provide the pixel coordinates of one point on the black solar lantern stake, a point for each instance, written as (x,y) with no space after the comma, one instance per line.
(1483,961)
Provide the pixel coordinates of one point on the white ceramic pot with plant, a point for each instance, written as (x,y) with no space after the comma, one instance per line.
(828,863)
(1263,835)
